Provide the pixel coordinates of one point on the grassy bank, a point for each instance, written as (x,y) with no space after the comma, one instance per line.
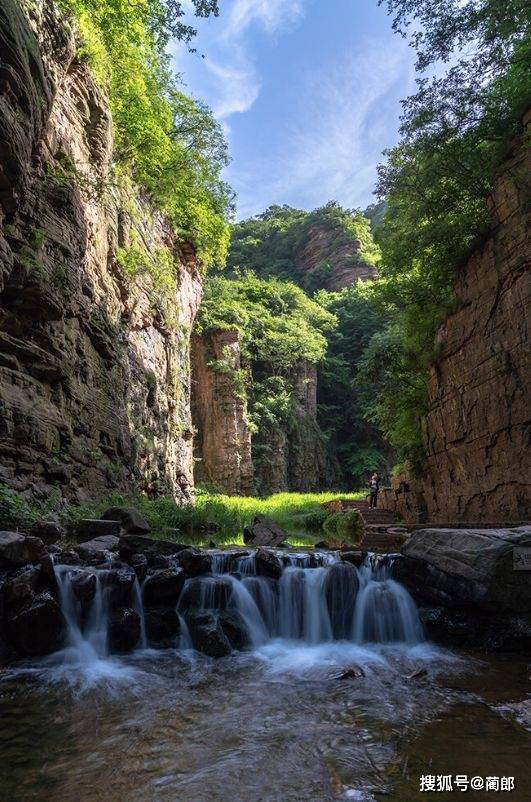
(301,514)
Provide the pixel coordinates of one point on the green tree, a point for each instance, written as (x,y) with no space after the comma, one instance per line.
(167,142)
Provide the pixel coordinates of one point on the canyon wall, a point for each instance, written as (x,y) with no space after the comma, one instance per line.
(94,358)
(290,456)
(219,406)
(478,427)
(327,260)
(293,456)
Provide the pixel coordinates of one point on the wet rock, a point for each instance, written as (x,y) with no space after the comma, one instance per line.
(194,562)
(131,521)
(163,586)
(322,544)
(48,531)
(357,558)
(37,627)
(119,584)
(207,635)
(234,628)
(124,630)
(48,580)
(207,592)
(151,547)
(95,528)
(162,625)
(21,586)
(264,532)
(84,586)
(418,674)
(467,567)
(139,564)
(67,558)
(352,672)
(341,588)
(95,550)
(268,564)
(17,550)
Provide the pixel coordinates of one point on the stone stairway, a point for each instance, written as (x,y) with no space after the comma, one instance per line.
(382,533)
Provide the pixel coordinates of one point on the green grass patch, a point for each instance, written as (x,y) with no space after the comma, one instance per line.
(301,514)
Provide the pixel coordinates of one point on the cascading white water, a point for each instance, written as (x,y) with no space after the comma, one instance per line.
(384,611)
(318,599)
(89,642)
(88,622)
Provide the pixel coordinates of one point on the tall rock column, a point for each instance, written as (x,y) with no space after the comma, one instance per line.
(219,409)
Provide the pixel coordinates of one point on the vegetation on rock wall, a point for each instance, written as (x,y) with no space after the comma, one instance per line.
(270,243)
(280,326)
(456,131)
(170,144)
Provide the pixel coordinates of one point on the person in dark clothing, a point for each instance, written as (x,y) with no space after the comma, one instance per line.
(374,486)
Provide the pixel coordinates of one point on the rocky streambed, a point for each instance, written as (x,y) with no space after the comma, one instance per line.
(151,670)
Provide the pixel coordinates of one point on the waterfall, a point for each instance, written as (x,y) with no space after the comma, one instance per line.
(87,623)
(317,599)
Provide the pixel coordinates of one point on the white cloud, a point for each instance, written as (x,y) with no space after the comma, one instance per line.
(347,116)
(234,83)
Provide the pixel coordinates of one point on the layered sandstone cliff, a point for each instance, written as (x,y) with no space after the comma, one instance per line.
(94,361)
(228,454)
(293,456)
(477,429)
(223,439)
(328,260)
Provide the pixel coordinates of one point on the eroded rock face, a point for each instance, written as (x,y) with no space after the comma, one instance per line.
(343,261)
(467,567)
(94,374)
(294,457)
(223,443)
(476,432)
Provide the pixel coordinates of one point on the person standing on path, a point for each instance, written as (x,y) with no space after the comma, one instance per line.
(374,486)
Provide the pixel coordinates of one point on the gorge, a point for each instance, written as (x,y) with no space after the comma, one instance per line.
(196,601)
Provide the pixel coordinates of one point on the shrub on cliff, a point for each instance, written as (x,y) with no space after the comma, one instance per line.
(170,143)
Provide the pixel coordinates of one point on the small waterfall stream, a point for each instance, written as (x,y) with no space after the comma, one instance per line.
(317,599)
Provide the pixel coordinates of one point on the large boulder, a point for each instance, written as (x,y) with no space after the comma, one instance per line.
(119,585)
(37,627)
(48,531)
(356,558)
(92,528)
(234,629)
(194,562)
(267,564)
(206,592)
(471,567)
(84,585)
(22,585)
(207,635)
(341,588)
(130,519)
(97,549)
(162,625)
(264,532)
(17,550)
(163,587)
(152,548)
(124,630)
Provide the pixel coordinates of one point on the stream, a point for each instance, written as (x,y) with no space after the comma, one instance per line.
(337,697)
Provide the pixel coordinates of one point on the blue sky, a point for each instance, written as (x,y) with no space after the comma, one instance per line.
(308,92)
